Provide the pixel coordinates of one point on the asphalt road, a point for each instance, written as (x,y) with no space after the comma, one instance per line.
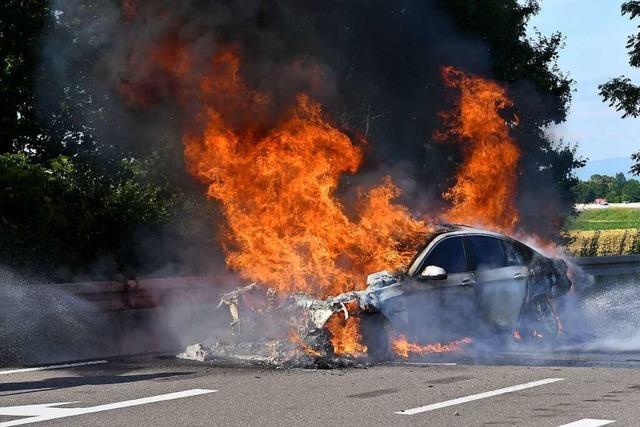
(152,391)
(587,376)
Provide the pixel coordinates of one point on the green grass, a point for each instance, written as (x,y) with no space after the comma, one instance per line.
(606,219)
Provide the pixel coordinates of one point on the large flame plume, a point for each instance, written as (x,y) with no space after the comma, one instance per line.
(345,335)
(276,180)
(485,185)
(275,173)
(277,186)
(484,190)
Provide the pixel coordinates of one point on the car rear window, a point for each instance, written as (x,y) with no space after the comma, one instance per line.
(487,252)
(448,254)
(527,252)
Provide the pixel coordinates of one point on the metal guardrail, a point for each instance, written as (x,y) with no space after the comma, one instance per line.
(171,291)
(106,319)
(157,315)
(146,293)
(610,265)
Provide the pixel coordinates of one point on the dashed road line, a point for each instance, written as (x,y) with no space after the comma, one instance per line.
(423,363)
(588,422)
(478,396)
(46,368)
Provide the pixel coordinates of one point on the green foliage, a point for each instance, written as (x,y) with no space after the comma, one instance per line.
(60,214)
(607,219)
(541,94)
(21,22)
(632,8)
(635,169)
(515,56)
(71,199)
(616,189)
(620,92)
(62,119)
(73,204)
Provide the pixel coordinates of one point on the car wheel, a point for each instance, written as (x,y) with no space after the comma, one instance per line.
(539,320)
(375,335)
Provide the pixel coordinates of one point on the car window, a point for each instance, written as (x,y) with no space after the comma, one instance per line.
(417,259)
(514,253)
(487,252)
(527,252)
(448,254)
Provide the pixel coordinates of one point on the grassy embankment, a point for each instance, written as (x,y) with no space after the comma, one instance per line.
(613,231)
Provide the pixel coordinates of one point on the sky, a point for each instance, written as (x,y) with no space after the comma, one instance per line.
(596,34)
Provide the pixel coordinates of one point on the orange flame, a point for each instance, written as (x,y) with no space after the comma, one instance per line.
(276,186)
(345,335)
(275,174)
(294,337)
(402,347)
(485,186)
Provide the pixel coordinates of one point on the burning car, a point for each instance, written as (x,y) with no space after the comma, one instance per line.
(464,282)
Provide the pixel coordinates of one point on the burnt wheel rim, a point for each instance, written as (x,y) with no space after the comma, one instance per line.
(544,319)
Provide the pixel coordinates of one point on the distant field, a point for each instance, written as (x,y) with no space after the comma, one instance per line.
(609,242)
(606,219)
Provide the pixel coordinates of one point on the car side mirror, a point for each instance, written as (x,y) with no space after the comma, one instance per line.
(433,272)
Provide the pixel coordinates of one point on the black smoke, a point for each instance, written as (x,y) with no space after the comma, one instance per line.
(374,65)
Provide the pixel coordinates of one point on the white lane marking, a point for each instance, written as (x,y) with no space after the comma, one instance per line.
(46,368)
(50,411)
(424,363)
(479,396)
(588,422)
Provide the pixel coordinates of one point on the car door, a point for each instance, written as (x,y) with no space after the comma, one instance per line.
(501,276)
(437,309)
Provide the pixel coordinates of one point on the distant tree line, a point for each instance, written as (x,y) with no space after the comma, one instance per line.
(615,189)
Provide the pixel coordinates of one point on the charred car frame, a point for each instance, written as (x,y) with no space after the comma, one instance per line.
(464,282)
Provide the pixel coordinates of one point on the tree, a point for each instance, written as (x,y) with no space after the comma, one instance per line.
(631,191)
(21,23)
(585,193)
(620,92)
(615,189)
(542,94)
(635,169)
(56,215)
(74,202)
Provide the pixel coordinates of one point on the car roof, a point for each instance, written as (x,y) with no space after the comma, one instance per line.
(441,230)
(448,228)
